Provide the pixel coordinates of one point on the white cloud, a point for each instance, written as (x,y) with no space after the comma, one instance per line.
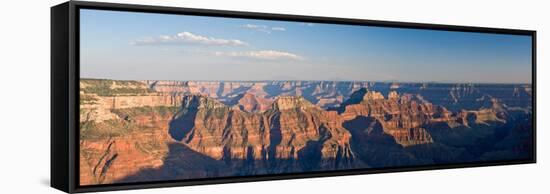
(263,28)
(278,29)
(252,26)
(188,37)
(262,54)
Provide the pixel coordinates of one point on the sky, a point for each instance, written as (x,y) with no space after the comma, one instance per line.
(149,46)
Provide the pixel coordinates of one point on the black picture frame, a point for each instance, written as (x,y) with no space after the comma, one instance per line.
(65,89)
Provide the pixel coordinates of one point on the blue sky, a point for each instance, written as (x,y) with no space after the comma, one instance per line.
(146,46)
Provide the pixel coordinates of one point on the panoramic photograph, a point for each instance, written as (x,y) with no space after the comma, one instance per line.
(167,97)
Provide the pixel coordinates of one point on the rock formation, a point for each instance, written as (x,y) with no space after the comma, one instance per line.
(165,130)
(291,130)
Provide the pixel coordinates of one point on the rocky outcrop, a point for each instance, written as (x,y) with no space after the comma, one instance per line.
(113,149)
(405,117)
(291,103)
(292,130)
(123,129)
(99,97)
(165,130)
(399,116)
(251,103)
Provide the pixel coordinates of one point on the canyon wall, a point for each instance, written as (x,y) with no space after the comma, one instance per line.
(164,130)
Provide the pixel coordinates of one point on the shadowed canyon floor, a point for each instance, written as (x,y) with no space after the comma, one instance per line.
(134,131)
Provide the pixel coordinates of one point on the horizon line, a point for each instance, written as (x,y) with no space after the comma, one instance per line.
(267,80)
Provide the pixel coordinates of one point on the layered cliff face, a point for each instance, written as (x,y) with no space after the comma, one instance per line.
(399,116)
(291,130)
(112,149)
(405,117)
(122,129)
(165,130)
(414,131)
(99,97)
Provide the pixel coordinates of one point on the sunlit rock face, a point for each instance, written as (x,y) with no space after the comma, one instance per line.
(291,130)
(133,131)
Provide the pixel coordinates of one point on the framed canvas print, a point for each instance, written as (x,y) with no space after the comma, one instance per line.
(148,96)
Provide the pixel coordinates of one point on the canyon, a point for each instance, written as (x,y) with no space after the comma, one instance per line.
(134,131)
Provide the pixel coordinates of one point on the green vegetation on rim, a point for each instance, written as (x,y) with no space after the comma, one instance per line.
(145,110)
(114,87)
(123,125)
(105,129)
